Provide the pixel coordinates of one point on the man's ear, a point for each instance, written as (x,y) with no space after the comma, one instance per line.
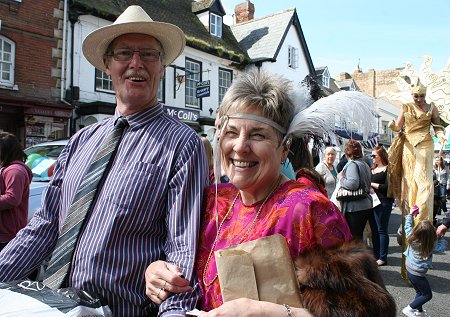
(162,73)
(106,62)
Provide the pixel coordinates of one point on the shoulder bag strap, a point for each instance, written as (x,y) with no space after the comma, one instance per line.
(359,175)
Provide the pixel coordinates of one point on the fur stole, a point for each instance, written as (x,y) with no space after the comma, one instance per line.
(343,282)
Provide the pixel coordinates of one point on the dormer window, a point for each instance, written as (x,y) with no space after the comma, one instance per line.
(215,26)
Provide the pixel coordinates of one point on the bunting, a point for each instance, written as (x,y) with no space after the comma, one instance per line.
(371,143)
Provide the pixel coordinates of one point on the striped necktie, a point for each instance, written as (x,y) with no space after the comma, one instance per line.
(83,200)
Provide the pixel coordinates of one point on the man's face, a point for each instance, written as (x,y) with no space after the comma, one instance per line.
(135,81)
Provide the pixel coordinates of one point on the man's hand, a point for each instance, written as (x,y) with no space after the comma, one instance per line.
(163,279)
(441,230)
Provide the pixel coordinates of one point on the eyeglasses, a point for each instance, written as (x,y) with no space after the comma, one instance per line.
(418,96)
(126,54)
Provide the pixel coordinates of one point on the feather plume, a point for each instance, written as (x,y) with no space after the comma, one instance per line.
(306,93)
(351,109)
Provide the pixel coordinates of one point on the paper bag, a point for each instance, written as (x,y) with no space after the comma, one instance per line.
(272,268)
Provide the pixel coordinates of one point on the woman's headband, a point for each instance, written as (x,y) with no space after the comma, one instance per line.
(261,119)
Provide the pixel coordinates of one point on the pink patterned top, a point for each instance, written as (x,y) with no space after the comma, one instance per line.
(300,213)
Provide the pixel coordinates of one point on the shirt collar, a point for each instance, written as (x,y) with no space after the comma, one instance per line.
(138,119)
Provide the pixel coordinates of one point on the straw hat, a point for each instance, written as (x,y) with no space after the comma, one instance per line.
(134,20)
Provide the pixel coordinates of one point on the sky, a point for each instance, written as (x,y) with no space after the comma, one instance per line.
(379,35)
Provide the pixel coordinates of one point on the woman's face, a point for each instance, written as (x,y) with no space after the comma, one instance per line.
(419,99)
(251,154)
(330,156)
(437,161)
(376,158)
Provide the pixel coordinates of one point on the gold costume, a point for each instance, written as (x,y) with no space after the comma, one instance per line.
(411,163)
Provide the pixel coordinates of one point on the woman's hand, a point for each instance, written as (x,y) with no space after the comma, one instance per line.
(244,307)
(163,279)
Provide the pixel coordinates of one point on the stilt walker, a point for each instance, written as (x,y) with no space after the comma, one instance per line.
(411,158)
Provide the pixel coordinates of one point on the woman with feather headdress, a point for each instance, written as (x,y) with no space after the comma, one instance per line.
(255,132)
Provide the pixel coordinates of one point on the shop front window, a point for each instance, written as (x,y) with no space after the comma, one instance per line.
(42,129)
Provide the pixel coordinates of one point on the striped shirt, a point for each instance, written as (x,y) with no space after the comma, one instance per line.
(148,209)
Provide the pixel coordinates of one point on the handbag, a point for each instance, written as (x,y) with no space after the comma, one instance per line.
(343,194)
(350,195)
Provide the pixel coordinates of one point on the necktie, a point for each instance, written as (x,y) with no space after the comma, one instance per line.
(83,200)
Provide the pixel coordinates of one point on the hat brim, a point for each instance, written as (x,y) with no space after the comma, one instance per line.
(170,36)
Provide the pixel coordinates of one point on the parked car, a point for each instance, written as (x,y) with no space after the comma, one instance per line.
(41,158)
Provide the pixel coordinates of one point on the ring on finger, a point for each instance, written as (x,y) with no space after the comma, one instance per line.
(159,293)
(164,286)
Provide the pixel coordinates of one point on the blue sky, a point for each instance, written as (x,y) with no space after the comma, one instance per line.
(382,34)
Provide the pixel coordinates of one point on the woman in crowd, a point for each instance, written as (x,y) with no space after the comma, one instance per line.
(327,171)
(302,163)
(356,175)
(443,178)
(15,179)
(382,212)
(259,200)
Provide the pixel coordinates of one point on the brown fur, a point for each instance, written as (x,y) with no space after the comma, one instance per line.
(343,282)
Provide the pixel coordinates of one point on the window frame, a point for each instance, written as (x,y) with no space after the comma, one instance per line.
(9,83)
(292,57)
(222,89)
(162,90)
(192,77)
(216,27)
(103,79)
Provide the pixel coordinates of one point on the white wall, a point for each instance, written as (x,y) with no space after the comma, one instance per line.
(281,65)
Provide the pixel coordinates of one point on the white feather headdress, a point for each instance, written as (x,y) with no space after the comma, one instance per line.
(352,110)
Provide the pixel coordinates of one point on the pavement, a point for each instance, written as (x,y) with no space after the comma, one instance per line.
(402,291)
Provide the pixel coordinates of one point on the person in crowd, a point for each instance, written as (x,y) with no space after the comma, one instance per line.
(437,198)
(259,200)
(149,205)
(356,175)
(327,171)
(287,169)
(302,162)
(409,153)
(422,242)
(382,212)
(15,179)
(443,227)
(209,156)
(442,176)
(342,162)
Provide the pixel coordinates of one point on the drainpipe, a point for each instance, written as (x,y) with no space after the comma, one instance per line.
(63,63)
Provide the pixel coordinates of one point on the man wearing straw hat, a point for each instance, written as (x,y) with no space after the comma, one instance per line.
(148,202)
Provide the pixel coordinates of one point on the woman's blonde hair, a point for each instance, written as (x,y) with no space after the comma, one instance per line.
(268,93)
(424,236)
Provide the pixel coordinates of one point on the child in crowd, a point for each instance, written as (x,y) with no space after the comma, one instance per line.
(422,242)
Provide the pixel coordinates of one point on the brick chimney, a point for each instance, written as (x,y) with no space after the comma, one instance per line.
(244,12)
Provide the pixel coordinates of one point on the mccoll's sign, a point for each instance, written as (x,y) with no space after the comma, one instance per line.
(182,113)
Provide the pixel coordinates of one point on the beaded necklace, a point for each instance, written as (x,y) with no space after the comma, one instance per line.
(276,184)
